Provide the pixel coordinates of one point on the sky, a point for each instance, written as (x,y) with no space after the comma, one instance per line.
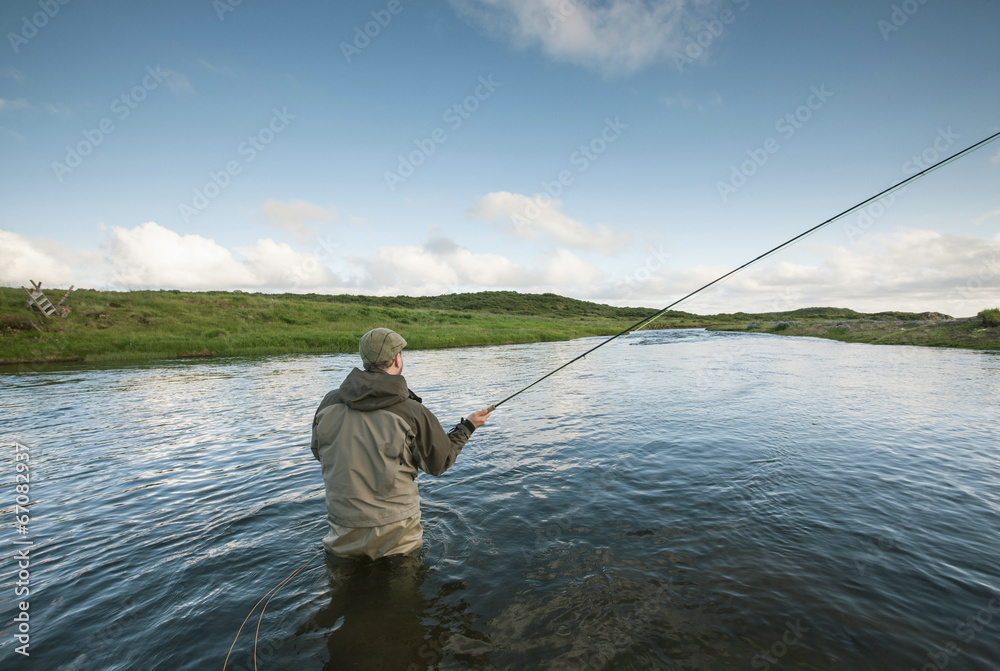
(619,151)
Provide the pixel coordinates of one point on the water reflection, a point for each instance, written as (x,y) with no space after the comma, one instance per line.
(378,617)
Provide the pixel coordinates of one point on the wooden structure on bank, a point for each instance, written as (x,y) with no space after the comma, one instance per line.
(37,299)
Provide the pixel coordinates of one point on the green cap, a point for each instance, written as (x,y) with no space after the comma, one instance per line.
(380,346)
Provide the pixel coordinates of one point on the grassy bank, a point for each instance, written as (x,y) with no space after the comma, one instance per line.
(138,325)
(971,333)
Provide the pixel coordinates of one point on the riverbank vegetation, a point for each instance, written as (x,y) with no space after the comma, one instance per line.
(927,330)
(138,325)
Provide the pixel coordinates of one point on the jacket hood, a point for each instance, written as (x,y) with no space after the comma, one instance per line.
(373,390)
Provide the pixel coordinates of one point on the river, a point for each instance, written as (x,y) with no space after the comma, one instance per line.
(676,500)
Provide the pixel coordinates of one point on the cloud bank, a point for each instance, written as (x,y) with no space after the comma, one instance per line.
(909,269)
(442,266)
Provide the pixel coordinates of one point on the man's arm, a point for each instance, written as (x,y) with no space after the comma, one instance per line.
(329,399)
(314,444)
(434,451)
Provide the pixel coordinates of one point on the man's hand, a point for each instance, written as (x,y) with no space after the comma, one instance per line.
(478,418)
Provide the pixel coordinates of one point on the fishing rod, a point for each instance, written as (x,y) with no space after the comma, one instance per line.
(650,319)
(643,322)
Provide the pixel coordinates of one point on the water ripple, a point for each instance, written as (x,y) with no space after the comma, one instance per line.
(679,499)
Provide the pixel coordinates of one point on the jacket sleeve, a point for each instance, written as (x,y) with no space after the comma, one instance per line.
(434,451)
(314,443)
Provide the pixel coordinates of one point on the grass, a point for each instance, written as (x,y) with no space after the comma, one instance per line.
(935,331)
(137,325)
(108,326)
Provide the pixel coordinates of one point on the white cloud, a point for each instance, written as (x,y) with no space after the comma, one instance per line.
(441,266)
(293,217)
(537,214)
(10,133)
(909,269)
(988,215)
(151,256)
(57,110)
(995,159)
(916,270)
(611,35)
(12,105)
(25,259)
(277,265)
(563,270)
(177,82)
(13,73)
(7,105)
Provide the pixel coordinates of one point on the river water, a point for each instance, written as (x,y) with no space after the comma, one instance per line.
(676,500)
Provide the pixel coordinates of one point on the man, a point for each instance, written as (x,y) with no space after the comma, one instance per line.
(371,436)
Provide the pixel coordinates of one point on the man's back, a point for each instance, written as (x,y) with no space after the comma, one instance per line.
(371,436)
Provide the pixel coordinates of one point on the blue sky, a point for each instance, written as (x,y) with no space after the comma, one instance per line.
(623,151)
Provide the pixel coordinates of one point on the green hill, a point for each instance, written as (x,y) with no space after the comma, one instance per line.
(138,325)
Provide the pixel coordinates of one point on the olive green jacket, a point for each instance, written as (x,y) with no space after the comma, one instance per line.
(371,436)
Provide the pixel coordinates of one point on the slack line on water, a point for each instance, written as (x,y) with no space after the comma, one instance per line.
(798,237)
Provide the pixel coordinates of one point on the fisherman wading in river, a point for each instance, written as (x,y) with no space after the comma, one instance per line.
(371,436)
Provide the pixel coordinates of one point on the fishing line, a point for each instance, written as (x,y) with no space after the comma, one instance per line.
(791,241)
(270,594)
